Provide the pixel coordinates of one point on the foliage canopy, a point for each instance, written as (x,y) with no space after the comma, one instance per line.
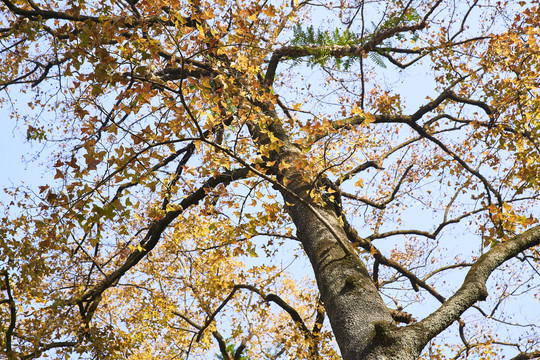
(198,167)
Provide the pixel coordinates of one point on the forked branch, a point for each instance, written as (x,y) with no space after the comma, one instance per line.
(474,288)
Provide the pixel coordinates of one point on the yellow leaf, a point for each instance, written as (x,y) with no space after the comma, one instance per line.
(359,183)
(270,11)
(356,110)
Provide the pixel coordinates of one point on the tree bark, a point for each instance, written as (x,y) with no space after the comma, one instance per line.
(354,306)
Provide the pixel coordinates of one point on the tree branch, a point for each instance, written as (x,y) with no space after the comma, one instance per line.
(474,288)
(337,51)
(222,345)
(527,356)
(134,22)
(46,347)
(295,316)
(12,315)
(381,259)
(156,229)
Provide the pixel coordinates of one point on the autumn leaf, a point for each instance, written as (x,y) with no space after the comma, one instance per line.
(239,180)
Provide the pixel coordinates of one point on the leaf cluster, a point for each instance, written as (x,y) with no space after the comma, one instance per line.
(324,39)
(321,41)
(310,36)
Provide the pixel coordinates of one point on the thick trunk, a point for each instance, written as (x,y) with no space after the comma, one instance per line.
(352,302)
(359,318)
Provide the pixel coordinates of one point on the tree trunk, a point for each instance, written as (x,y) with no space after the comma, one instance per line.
(354,306)
(360,320)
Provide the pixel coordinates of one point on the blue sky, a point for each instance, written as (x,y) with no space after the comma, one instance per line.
(16,152)
(13,148)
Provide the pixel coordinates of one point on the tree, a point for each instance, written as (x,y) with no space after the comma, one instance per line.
(200,146)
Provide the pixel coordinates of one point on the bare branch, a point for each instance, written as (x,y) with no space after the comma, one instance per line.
(474,288)
(448,267)
(368,246)
(382,205)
